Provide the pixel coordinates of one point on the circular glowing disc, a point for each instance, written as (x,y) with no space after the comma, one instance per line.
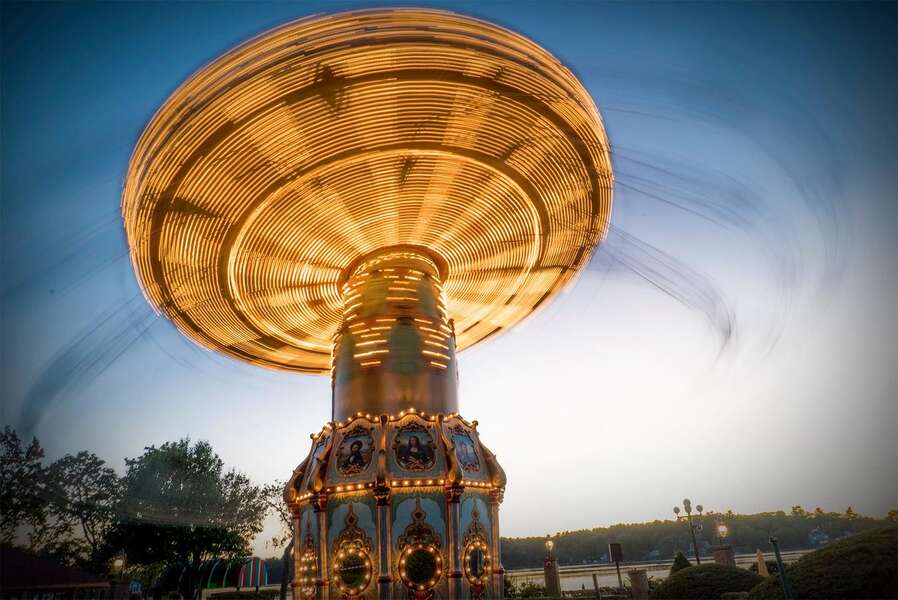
(279,165)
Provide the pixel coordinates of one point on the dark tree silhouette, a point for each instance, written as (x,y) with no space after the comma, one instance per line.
(84,494)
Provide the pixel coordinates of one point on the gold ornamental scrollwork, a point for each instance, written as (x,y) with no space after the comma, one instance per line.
(352,569)
(476,560)
(420,559)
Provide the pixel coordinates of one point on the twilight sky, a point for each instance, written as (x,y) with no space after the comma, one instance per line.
(735,340)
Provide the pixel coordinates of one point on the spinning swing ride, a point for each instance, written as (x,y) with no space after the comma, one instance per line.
(363,195)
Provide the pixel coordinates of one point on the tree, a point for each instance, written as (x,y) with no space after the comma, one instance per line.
(798,512)
(680,562)
(24,498)
(892,516)
(84,495)
(273,496)
(180,507)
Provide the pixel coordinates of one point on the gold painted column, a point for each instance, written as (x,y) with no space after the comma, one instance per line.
(395,348)
(319,504)
(453,498)
(498,570)
(385,544)
(297,555)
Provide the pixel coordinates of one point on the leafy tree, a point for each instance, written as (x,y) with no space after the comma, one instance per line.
(798,512)
(892,516)
(84,495)
(680,562)
(273,496)
(180,507)
(147,574)
(21,501)
(24,497)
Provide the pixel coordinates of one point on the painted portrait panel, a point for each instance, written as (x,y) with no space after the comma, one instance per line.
(465,450)
(355,451)
(414,448)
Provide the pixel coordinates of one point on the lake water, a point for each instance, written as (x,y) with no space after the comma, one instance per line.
(575,577)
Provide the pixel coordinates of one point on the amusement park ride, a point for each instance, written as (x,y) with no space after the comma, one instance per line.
(364,194)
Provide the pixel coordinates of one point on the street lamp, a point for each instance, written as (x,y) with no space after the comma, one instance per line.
(722,531)
(550,571)
(118,564)
(693,527)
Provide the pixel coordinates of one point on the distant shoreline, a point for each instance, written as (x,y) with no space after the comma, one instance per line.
(574,577)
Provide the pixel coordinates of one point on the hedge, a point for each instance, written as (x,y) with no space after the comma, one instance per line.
(861,566)
(705,582)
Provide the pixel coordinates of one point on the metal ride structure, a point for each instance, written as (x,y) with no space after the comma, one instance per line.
(364,194)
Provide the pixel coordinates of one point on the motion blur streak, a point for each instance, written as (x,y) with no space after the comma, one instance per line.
(700,192)
(750,260)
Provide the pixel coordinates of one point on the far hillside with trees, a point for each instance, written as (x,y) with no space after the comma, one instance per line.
(797,529)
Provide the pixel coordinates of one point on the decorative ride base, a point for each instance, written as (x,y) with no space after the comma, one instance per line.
(403,506)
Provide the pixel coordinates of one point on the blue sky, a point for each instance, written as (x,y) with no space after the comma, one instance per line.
(756,152)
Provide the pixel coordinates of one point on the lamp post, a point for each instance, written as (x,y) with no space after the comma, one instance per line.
(550,570)
(781,569)
(687,506)
(119,588)
(616,554)
(723,552)
(722,531)
(119,563)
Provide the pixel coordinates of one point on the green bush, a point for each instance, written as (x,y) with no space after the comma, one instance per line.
(861,566)
(680,562)
(705,582)
(532,590)
(771,567)
(510,590)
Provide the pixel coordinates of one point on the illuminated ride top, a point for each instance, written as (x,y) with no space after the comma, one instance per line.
(363,194)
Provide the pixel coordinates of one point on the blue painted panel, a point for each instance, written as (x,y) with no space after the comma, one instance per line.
(363,507)
(468,502)
(433,504)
